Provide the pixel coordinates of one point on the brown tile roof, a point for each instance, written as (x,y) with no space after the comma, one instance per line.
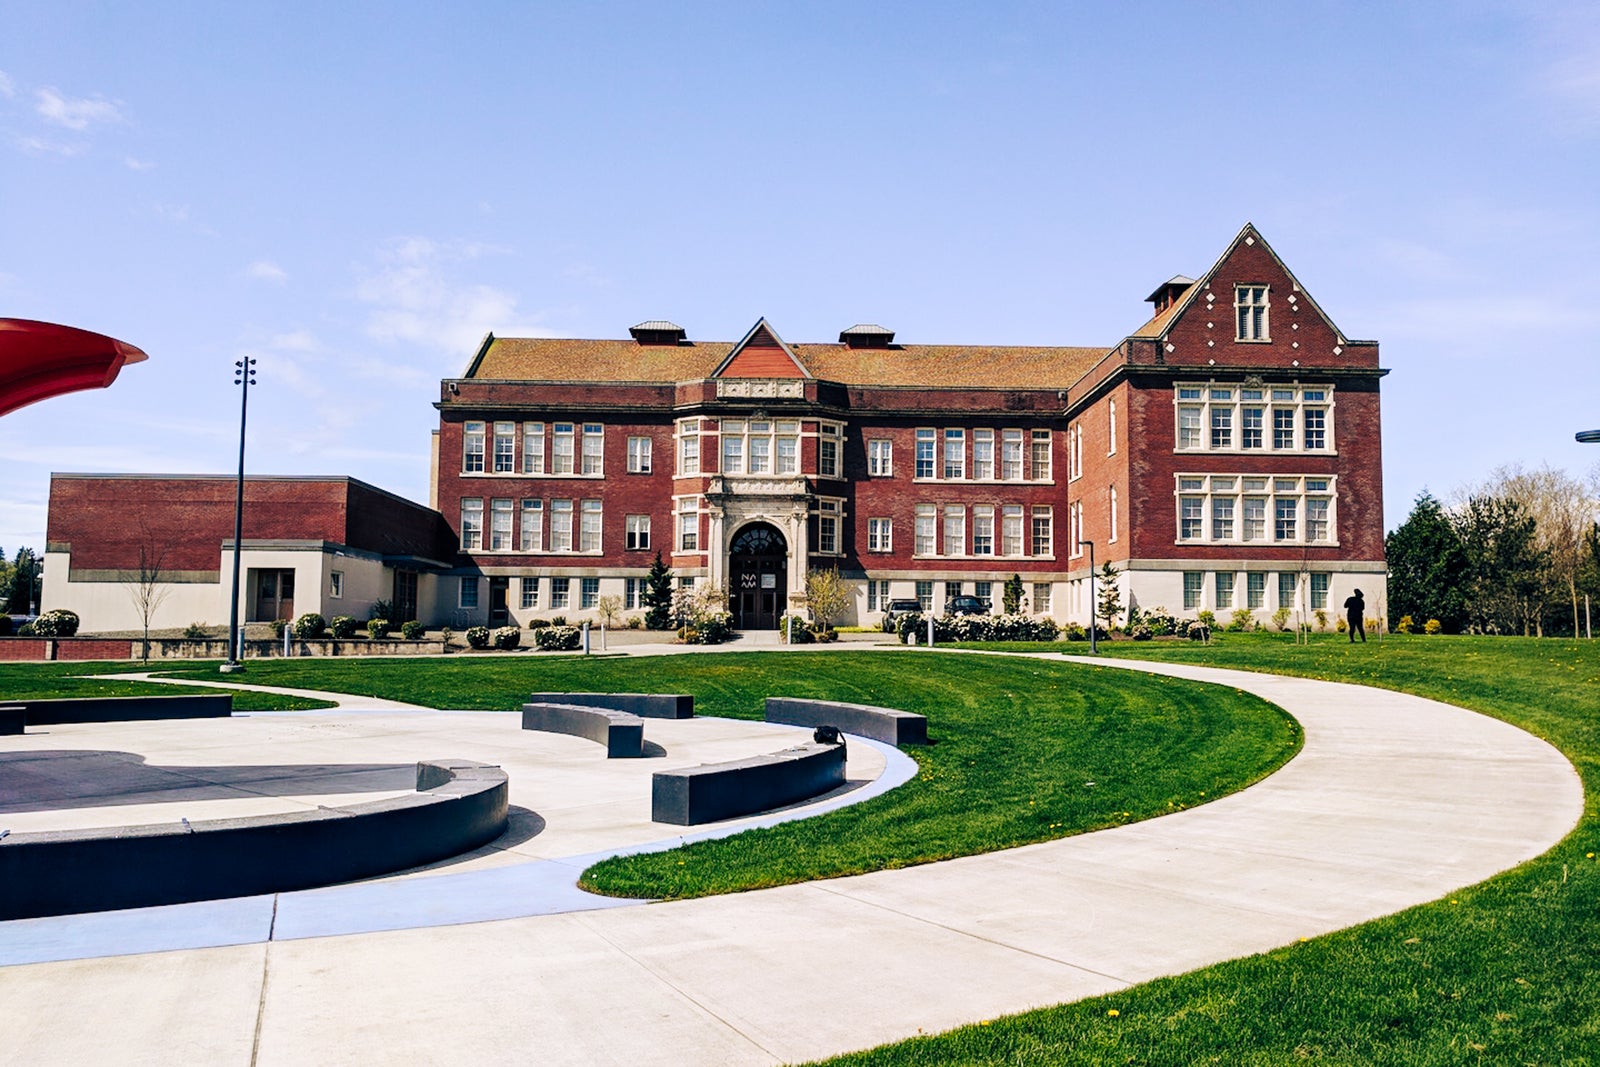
(1154,327)
(934,366)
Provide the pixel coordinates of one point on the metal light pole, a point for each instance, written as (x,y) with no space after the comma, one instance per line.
(1094,620)
(1588,437)
(244,376)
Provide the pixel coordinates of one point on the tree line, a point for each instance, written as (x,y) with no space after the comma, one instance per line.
(21,580)
(1519,554)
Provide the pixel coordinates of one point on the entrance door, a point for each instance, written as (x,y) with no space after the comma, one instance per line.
(274,595)
(758,562)
(405,596)
(498,588)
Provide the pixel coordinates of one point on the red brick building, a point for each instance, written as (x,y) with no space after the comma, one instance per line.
(1225,455)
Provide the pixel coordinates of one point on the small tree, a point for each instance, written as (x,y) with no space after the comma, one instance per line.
(827,595)
(146,586)
(1011,597)
(657,596)
(1110,595)
(609,608)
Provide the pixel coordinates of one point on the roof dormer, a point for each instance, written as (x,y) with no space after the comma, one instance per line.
(659,332)
(1168,292)
(866,335)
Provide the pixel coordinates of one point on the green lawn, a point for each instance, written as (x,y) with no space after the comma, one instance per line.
(38,681)
(1017,745)
(1506,972)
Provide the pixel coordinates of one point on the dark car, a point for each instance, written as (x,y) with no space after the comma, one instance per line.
(967,605)
(896,608)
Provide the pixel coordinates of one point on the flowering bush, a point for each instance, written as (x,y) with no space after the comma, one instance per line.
(1142,632)
(309,626)
(1198,631)
(1161,622)
(413,630)
(377,629)
(710,628)
(1432,626)
(57,622)
(478,637)
(796,626)
(702,615)
(507,637)
(343,626)
(557,638)
(1405,625)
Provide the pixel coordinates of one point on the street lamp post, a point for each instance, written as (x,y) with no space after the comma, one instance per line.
(244,376)
(1094,619)
(1588,437)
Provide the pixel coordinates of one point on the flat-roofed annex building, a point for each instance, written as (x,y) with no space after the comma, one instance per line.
(1225,455)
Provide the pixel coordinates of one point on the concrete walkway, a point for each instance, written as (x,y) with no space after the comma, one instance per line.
(1394,801)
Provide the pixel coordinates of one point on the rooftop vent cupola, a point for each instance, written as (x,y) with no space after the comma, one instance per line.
(866,335)
(658,332)
(1169,292)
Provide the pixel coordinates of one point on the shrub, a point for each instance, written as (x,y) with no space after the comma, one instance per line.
(1280,619)
(478,637)
(557,638)
(342,626)
(709,628)
(802,633)
(27,630)
(1208,619)
(1342,627)
(381,609)
(1405,625)
(1241,619)
(558,620)
(635,622)
(538,624)
(6,625)
(1321,616)
(413,630)
(196,631)
(1162,623)
(507,637)
(1432,626)
(278,628)
(1371,625)
(377,629)
(1199,631)
(445,634)
(309,626)
(1074,632)
(57,622)
(1142,632)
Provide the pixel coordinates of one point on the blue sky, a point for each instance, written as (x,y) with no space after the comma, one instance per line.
(354,193)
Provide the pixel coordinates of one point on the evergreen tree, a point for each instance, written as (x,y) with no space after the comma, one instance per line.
(1508,571)
(1110,595)
(24,582)
(657,596)
(1011,596)
(1428,568)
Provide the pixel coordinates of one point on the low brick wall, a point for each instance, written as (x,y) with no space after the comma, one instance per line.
(719,791)
(25,649)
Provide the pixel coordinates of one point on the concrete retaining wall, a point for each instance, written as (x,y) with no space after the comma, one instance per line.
(743,787)
(645,705)
(881,724)
(124,709)
(622,733)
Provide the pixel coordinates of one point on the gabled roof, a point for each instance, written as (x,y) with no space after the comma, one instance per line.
(761,337)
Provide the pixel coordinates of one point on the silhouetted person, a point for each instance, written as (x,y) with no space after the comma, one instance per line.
(1355,611)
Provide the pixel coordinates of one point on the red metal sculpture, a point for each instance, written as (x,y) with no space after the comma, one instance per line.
(39,360)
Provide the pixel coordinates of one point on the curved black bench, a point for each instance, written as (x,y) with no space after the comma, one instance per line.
(122,709)
(621,732)
(881,724)
(644,705)
(460,805)
(718,791)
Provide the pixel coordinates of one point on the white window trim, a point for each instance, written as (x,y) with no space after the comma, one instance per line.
(885,544)
(1236,403)
(1271,493)
(1266,312)
(836,513)
(646,458)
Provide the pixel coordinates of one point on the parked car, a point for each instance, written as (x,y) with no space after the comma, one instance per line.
(897,608)
(967,605)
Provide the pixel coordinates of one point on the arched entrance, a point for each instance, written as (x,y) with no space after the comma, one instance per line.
(758,562)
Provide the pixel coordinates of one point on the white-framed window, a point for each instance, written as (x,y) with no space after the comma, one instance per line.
(787,446)
(467,592)
(927,445)
(689,446)
(533,448)
(983,530)
(926,523)
(686,582)
(505,447)
(1041,598)
(732,447)
(877,595)
(1193,583)
(1112,506)
(760,446)
(983,454)
(563,447)
(530,593)
(533,525)
(1075,452)
(638,455)
(594,448)
(1219,417)
(590,520)
(1250,303)
(830,443)
(1075,528)
(1235,509)
(828,515)
(630,593)
(955,530)
(1011,455)
(951,591)
(955,454)
(636,532)
(588,592)
(880,535)
(471,524)
(560,593)
(688,525)
(983,590)
(500,516)
(1011,530)
(1255,590)
(880,457)
(1111,427)
(1039,458)
(336,584)
(1288,587)
(1319,591)
(472,448)
(561,526)
(925,596)
(1043,532)
(1224,590)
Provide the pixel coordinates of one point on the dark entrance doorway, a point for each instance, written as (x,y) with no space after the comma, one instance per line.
(498,613)
(405,596)
(274,595)
(758,562)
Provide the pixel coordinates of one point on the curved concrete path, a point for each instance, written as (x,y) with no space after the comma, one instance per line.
(1394,801)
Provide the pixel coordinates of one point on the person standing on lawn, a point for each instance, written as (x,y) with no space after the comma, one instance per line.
(1355,610)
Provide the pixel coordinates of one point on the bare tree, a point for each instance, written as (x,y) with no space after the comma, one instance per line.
(827,595)
(148,586)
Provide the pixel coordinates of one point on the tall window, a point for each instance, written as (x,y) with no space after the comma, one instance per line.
(533,526)
(828,512)
(880,458)
(760,448)
(471,524)
(533,448)
(1043,534)
(1188,426)
(829,445)
(983,530)
(1316,518)
(500,525)
(1316,420)
(467,596)
(563,448)
(505,447)
(955,530)
(1255,590)
(983,454)
(630,593)
(689,446)
(1191,516)
(1319,591)
(1299,418)
(594,447)
(1011,455)
(637,532)
(588,592)
(688,526)
(880,535)
(1222,518)
(1255,518)
(1250,310)
(955,454)
(1113,508)
(1193,582)
(530,593)
(1284,526)
(1221,419)
(1288,584)
(1224,590)
(732,447)
(1225,509)
(877,595)
(1039,458)
(1041,598)
(561,526)
(951,591)
(1250,423)
(561,593)
(472,447)
(1011,530)
(787,443)
(927,519)
(1075,527)
(925,596)
(927,442)
(589,526)
(638,455)
(1111,413)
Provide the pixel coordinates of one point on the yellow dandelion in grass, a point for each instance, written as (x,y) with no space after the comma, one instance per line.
(985,1022)
(1590,856)
(1113,1012)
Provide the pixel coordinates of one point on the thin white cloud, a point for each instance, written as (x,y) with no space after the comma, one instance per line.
(264,270)
(294,341)
(42,146)
(8,88)
(75,113)
(133,163)
(178,213)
